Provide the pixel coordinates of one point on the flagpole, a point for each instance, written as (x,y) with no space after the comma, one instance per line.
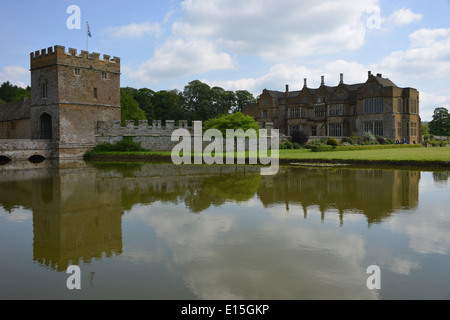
(87,36)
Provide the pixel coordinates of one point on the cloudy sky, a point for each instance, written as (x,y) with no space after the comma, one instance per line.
(242,44)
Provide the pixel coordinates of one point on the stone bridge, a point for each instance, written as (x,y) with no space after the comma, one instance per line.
(25,149)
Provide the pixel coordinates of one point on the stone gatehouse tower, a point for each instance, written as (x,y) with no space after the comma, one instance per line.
(70,93)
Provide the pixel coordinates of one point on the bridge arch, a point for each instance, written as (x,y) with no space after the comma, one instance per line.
(4,160)
(36,158)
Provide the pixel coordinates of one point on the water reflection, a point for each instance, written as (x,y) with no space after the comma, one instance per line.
(77,207)
(374,193)
(226,231)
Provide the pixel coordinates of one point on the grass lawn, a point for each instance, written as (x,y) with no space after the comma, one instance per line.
(404,154)
(438,154)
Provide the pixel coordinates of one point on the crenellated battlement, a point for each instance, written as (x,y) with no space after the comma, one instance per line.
(60,51)
(115,128)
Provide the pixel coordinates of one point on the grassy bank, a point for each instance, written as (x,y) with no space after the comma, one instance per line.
(397,156)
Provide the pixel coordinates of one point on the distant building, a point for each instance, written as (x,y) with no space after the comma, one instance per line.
(377,105)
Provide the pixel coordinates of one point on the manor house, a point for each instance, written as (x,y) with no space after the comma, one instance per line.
(377,105)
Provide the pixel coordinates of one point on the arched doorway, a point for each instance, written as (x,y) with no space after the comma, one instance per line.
(46,126)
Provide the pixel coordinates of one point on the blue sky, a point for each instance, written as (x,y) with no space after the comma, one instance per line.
(243,44)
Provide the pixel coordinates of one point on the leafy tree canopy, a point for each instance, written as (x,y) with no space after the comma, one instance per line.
(11,93)
(232,121)
(440,125)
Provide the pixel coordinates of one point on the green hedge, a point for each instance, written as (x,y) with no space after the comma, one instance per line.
(324,148)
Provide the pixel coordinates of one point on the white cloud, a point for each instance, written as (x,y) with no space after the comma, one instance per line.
(293,75)
(135,30)
(17,75)
(273,29)
(180,57)
(427,57)
(403,17)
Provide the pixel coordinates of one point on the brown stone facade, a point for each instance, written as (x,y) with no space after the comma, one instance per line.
(69,94)
(377,105)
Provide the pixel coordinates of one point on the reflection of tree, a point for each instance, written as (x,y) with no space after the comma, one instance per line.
(220,189)
(441,177)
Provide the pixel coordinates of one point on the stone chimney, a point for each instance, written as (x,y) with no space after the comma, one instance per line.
(323,80)
(305,82)
(342,78)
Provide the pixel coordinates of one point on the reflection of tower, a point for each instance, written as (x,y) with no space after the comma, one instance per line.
(81,222)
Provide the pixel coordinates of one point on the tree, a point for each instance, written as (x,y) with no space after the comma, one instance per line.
(299,136)
(440,125)
(243,97)
(232,121)
(12,93)
(130,107)
(222,101)
(197,99)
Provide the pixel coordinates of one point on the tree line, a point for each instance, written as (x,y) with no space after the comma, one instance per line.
(198,101)
(10,93)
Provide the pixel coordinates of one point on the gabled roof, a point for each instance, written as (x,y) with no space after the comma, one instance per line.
(15,111)
(385,82)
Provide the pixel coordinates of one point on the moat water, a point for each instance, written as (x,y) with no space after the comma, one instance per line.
(160,231)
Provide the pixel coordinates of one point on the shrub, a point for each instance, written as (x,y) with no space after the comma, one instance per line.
(381,140)
(369,137)
(299,137)
(126,145)
(348,141)
(321,148)
(296,145)
(332,142)
(288,145)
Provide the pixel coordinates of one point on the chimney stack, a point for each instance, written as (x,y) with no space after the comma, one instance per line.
(342,78)
(287,91)
(370,73)
(323,80)
(379,75)
(305,82)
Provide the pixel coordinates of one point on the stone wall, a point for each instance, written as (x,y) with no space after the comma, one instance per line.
(154,137)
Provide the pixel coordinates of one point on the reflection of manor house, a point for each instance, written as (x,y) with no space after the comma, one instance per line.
(374,193)
(377,105)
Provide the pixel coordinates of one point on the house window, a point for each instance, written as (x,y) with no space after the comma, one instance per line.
(265,114)
(335,130)
(313,131)
(319,112)
(336,110)
(375,127)
(373,105)
(77,71)
(399,105)
(104,75)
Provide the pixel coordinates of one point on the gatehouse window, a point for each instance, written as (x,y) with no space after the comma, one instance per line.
(46,126)
(44,89)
